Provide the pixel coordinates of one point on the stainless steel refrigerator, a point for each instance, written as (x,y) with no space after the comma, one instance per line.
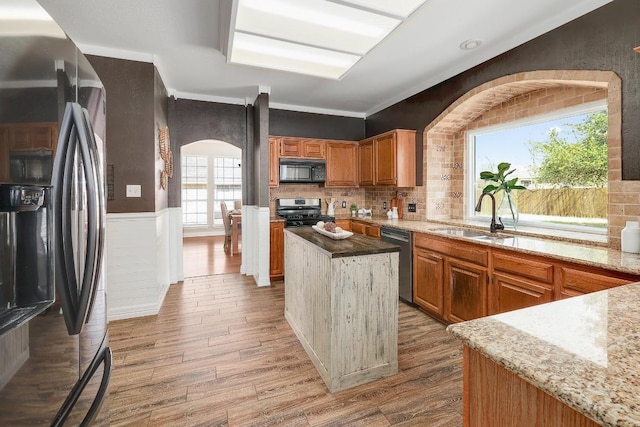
(55,362)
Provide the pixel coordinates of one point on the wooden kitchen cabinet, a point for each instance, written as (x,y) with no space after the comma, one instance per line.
(366,164)
(26,137)
(302,148)
(388,159)
(362,227)
(342,167)
(450,278)
(573,280)
(274,162)
(428,281)
(276,250)
(465,290)
(519,281)
(345,224)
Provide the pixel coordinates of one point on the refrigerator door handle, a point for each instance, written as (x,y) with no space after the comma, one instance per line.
(103,358)
(76,135)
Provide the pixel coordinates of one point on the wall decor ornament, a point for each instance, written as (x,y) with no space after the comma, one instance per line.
(164,145)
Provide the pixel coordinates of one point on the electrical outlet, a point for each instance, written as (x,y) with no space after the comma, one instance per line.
(134,191)
(412,207)
(344,203)
(384,205)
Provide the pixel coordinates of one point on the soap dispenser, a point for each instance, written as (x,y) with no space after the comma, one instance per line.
(630,237)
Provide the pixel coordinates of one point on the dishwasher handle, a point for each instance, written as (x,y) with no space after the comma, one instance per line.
(394,236)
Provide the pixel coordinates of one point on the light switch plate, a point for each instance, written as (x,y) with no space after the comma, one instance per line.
(134,191)
(412,207)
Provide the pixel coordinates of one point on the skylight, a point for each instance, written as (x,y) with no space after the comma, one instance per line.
(322,38)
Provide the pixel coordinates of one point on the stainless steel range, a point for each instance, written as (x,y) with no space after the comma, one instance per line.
(301,212)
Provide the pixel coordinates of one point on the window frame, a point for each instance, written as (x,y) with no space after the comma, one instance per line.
(470,161)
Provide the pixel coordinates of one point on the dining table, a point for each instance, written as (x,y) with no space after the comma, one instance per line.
(236,220)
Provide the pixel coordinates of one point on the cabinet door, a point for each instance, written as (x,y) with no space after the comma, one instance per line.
(274,163)
(41,138)
(290,147)
(342,168)
(358,227)
(428,281)
(313,149)
(20,138)
(510,293)
(345,224)
(366,164)
(276,255)
(372,231)
(385,160)
(465,290)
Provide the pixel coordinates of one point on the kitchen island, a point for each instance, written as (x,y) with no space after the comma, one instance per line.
(572,362)
(341,300)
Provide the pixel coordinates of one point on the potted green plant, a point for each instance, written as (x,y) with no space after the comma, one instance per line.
(354,209)
(507,209)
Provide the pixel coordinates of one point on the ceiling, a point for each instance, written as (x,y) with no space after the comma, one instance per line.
(182,39)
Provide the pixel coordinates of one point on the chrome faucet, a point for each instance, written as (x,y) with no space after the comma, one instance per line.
(494,226)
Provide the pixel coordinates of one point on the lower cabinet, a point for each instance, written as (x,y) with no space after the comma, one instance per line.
(345,224)
(465,290)
(362,227)
(276,255)
(519,281)
(428,281)
(455,281)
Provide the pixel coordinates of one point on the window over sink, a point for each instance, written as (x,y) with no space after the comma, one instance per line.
(560,157)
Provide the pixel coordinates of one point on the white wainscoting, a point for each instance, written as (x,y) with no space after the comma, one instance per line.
(139,266)
(255,244)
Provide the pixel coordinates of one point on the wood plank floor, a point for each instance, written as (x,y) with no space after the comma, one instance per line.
(204,256)
(220,353)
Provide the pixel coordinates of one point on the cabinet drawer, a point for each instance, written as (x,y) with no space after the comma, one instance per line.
(468,252)
(345,224)
(578,282)
(523,266)
(373,231)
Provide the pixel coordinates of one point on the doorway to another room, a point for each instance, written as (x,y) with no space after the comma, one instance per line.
(211,208)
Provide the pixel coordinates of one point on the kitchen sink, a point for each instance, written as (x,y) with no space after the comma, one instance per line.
(475,235)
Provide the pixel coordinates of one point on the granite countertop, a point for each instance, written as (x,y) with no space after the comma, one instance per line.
(355,245)
(584,351)
(590,255)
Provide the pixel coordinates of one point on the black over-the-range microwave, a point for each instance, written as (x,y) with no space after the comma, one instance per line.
(302,171)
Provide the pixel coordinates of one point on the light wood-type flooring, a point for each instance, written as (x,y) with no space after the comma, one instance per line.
(204,256)
(220,353)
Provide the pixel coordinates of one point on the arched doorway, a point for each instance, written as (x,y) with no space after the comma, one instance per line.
(211,176)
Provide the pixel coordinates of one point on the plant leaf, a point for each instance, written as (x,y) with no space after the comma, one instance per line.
(489,188)
(502,167)
(488,176)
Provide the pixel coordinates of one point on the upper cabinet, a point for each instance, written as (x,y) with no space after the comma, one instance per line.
(305,148)
(32,136)
(274,163)
(388,159)
(342,167)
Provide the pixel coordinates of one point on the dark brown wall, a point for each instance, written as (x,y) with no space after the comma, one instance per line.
(291,123)
(191,121)
(601,40)
(130,87)
(29,105)
(261,148)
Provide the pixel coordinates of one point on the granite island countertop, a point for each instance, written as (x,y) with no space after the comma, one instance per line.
(583,351)
(355,245)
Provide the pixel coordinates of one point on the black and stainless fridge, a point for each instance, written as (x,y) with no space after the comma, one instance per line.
(55,361)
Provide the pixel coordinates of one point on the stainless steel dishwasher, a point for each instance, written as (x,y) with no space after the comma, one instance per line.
(404,239)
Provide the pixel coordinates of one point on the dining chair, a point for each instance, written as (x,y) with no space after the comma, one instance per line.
(227,226)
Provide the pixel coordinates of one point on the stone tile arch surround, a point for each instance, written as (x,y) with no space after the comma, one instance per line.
(513,97)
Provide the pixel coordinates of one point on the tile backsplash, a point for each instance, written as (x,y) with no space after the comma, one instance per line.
(291,191)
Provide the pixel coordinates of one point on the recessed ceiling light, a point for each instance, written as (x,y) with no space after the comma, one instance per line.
(316,37)
(470,44)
